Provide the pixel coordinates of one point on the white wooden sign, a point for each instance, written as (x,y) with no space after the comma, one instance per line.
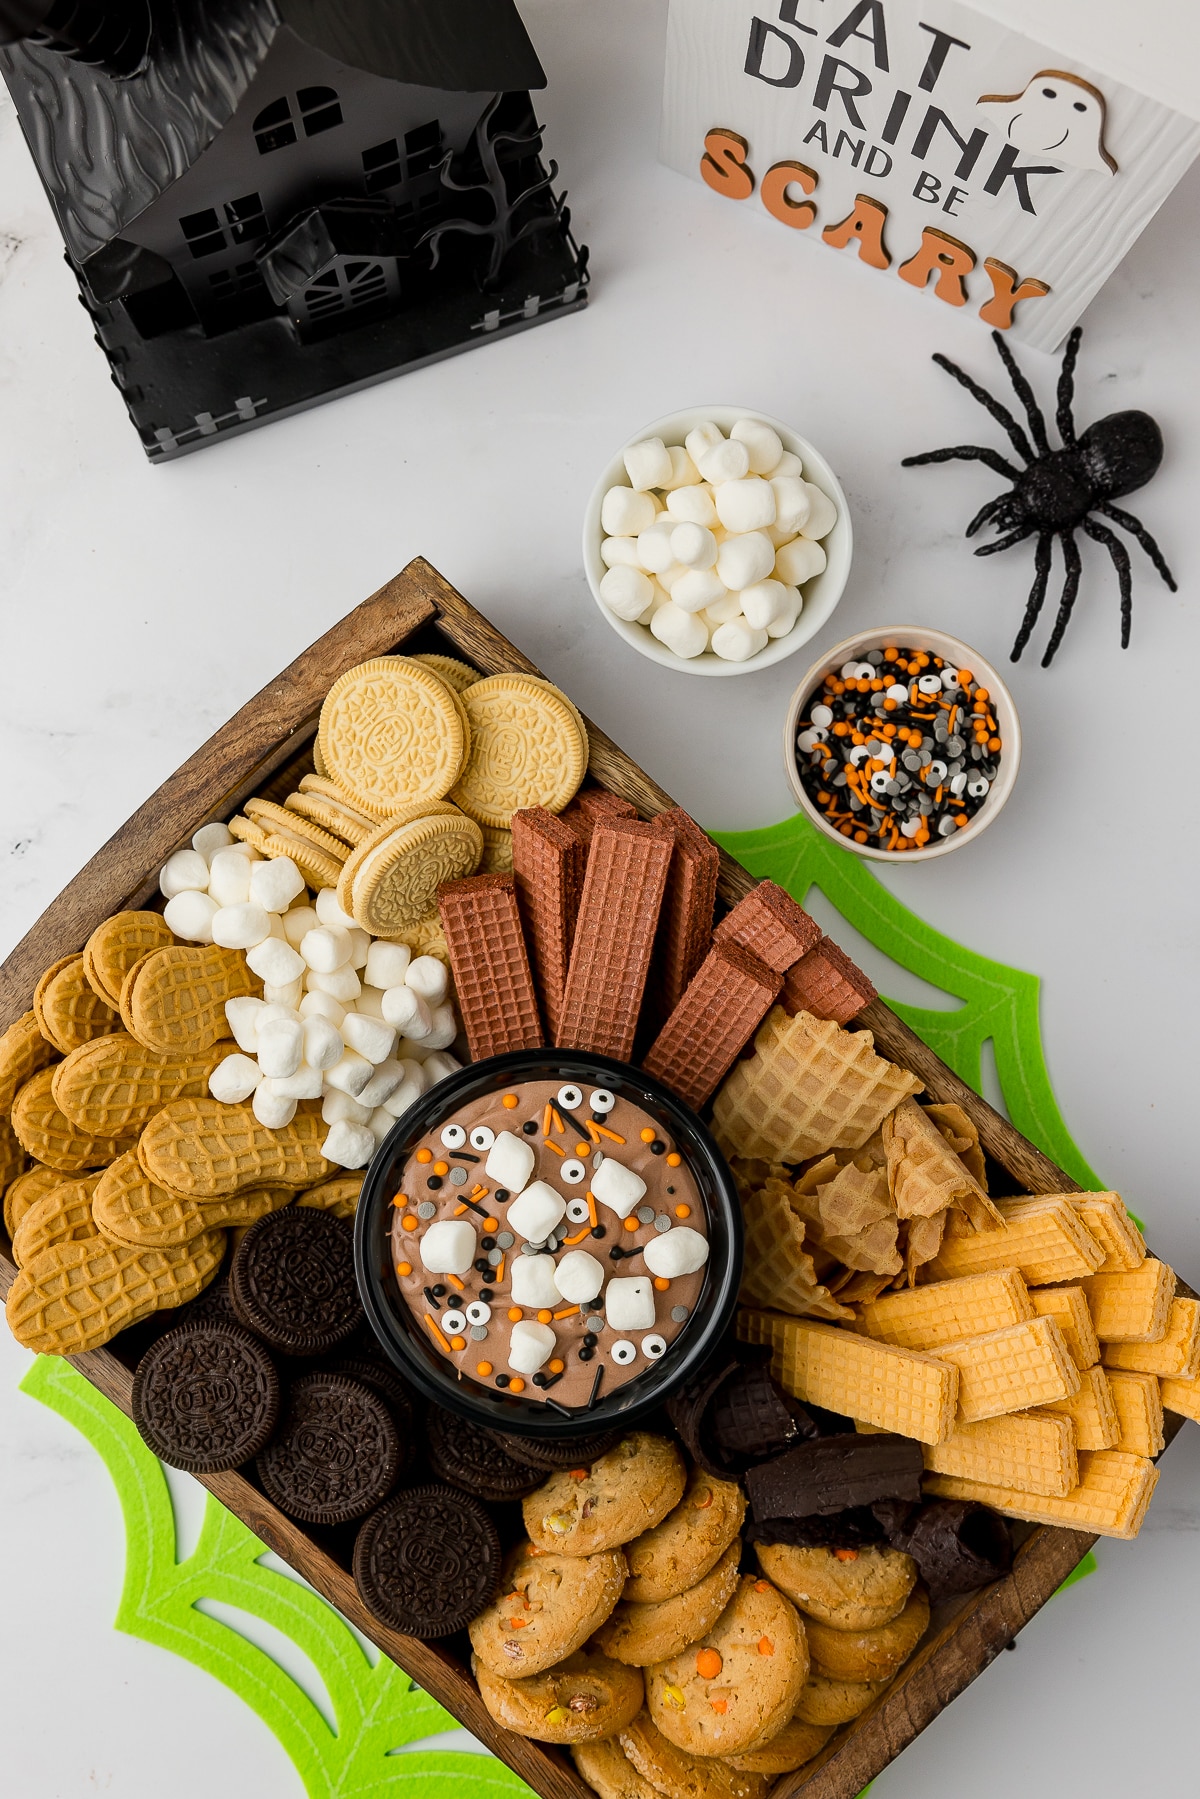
(927,139)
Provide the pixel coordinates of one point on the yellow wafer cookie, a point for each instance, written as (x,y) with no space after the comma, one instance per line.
(1091,1411)
(1009,1370)
(77,1296)
(246,831)
(177,1001)
(335,816)
(25,1191)
(1045,1238)
(1030,1448)
(528,748)
(1139,1411)
(278,819)
(946,1311)
(897,1389)
(205,1150)
(449,669)
(114,946)
(339,1196)
(116,1084)
(1182,1396)
(1174,1357)
(1069,1308)
(47,1134)
(391,880)
(23,1051)
(391,733)
(1111,1498)
(1107,1218)
(1133,1306)
(64,1215)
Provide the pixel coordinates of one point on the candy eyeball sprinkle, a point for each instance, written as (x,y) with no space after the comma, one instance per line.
(577,1209)
(654,1346)
(623,1352)
(453,1137)
(482,1137)
(453,1323)
(603,1100)
(573,1172)
(478,1312)
(569,1098)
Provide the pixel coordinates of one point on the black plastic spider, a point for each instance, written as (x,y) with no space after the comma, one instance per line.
(1056,491)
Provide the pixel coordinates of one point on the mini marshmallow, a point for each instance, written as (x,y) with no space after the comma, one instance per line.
(406,1011)
(726,461)
(617,1187)
(322,1043)
(623,512)
(681,1251)
(429,977)
(747,505)
(439,1065)
(387,964)
(444,1028)
(229,877)
(741,561)
(297,922)
(648,464)
(626,591)
(699,588)
(350,1073)
(289,994)
(406,1094)
(681,631)
(823,516)
(764,603)
(371,1037)
(529,1346)
(329,912)
(321,1005)
(190,915)
(352,1146)
(788,464)
(326,949)
(578,1276)
(234,1080)
(337,1106)
(786,619)
(369,1003)
(379,1124)
(242,1017)
(694,546)
(343,984)
(684,472)
(306,1083)
(275,884)
(738,641)
(383,1083)
(360,944)
(701,439)
(537,1211)
(184,872)
(719,612)
(271,1109)
(629,1302)
(448,1246)
(275,922)
(277,1009)
(670,577)
(620,552)
(793,502)
(510,1162)
(273,960)
(693,506)
(240,927)
(211,838)
(654,548)
(531,1281)
(798,561)
(762,444)
(280,1047)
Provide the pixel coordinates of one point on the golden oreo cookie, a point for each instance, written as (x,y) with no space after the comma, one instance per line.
(391,733)
(391,880)
(275,819)
(341,820)
(449,669)
(497,851)
(246,831)
(114,946)
(317,867)
(528,748)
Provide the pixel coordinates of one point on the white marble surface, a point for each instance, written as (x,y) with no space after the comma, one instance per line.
(142,606)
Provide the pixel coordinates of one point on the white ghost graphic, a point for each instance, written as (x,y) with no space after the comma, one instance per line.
(1058,115)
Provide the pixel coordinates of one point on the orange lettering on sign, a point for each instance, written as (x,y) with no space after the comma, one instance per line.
(1007,291)
(799,214)
(866,224)
(943,256)
(724,164)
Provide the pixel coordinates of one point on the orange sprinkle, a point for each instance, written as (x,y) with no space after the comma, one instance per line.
(458,1343)
(455,1282)
(592,1129)
(647,1136)
(511,1101)
(579,1236)
(993,743)
(661,1283)
(403,1269)
(631,1224)
(437,1333)
(491,1224)
(720,1705)
(765,1646)
(558,1150)
(567,1312)
(846,1555)
(581,1149)
(408,1223)
(591,1206)
(547,1116)
(683,1211)
(965,676)
(459,1210)
(544,1316)
(516,1384)
(708,1664)
(559,1126)
(556,1366)
(498,1276)
(424,1155)
(483,1369)
(514,1313)
(612,1136)
(674,1160)
(441,1168)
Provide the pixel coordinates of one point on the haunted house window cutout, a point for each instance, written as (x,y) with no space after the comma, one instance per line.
(318,109)
(242,278)
(207,232)
(385,165)
(349,284)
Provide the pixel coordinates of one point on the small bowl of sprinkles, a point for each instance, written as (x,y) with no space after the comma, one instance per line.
(902,743)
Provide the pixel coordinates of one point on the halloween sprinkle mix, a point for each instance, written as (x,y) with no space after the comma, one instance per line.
(899,749)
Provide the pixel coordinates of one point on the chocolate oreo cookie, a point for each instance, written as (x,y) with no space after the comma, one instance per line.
(382,1380)
(550,1453)
(336,1453)
(206,1397)
(428,1561)
(473,1458)
(292,1281)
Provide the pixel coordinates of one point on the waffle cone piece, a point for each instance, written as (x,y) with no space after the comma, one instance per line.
(71,1011)
(924,1173)
(177,1001)
(201,1149)
(77,1296)
(48,1135)
(809,1086)
(23,1051)
(114,946)
(63,1215)
(778,1273)
(1176,1356)
(1092,1411)
(116,1085)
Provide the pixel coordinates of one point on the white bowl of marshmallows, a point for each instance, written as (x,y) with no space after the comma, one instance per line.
(717,541)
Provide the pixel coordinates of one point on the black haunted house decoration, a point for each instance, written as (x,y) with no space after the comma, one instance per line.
(269,202)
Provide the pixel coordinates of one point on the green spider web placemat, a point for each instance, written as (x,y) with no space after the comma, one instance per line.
(374,1747)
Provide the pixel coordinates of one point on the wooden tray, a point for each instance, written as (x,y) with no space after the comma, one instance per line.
(265,749)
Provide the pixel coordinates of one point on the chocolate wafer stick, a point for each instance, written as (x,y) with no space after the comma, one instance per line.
(614,935)
(827,984)
(548,865)
(770,924)
(685,930)
(492,979)
(717,1016)
(593,806)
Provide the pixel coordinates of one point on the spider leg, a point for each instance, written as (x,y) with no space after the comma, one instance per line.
(1024,393)
(1001,414)
(1120,556)
(966,453)
(985,513)
(1005,543)
(1037,592)
(1069,593)
(1136,529)
(1066,388)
